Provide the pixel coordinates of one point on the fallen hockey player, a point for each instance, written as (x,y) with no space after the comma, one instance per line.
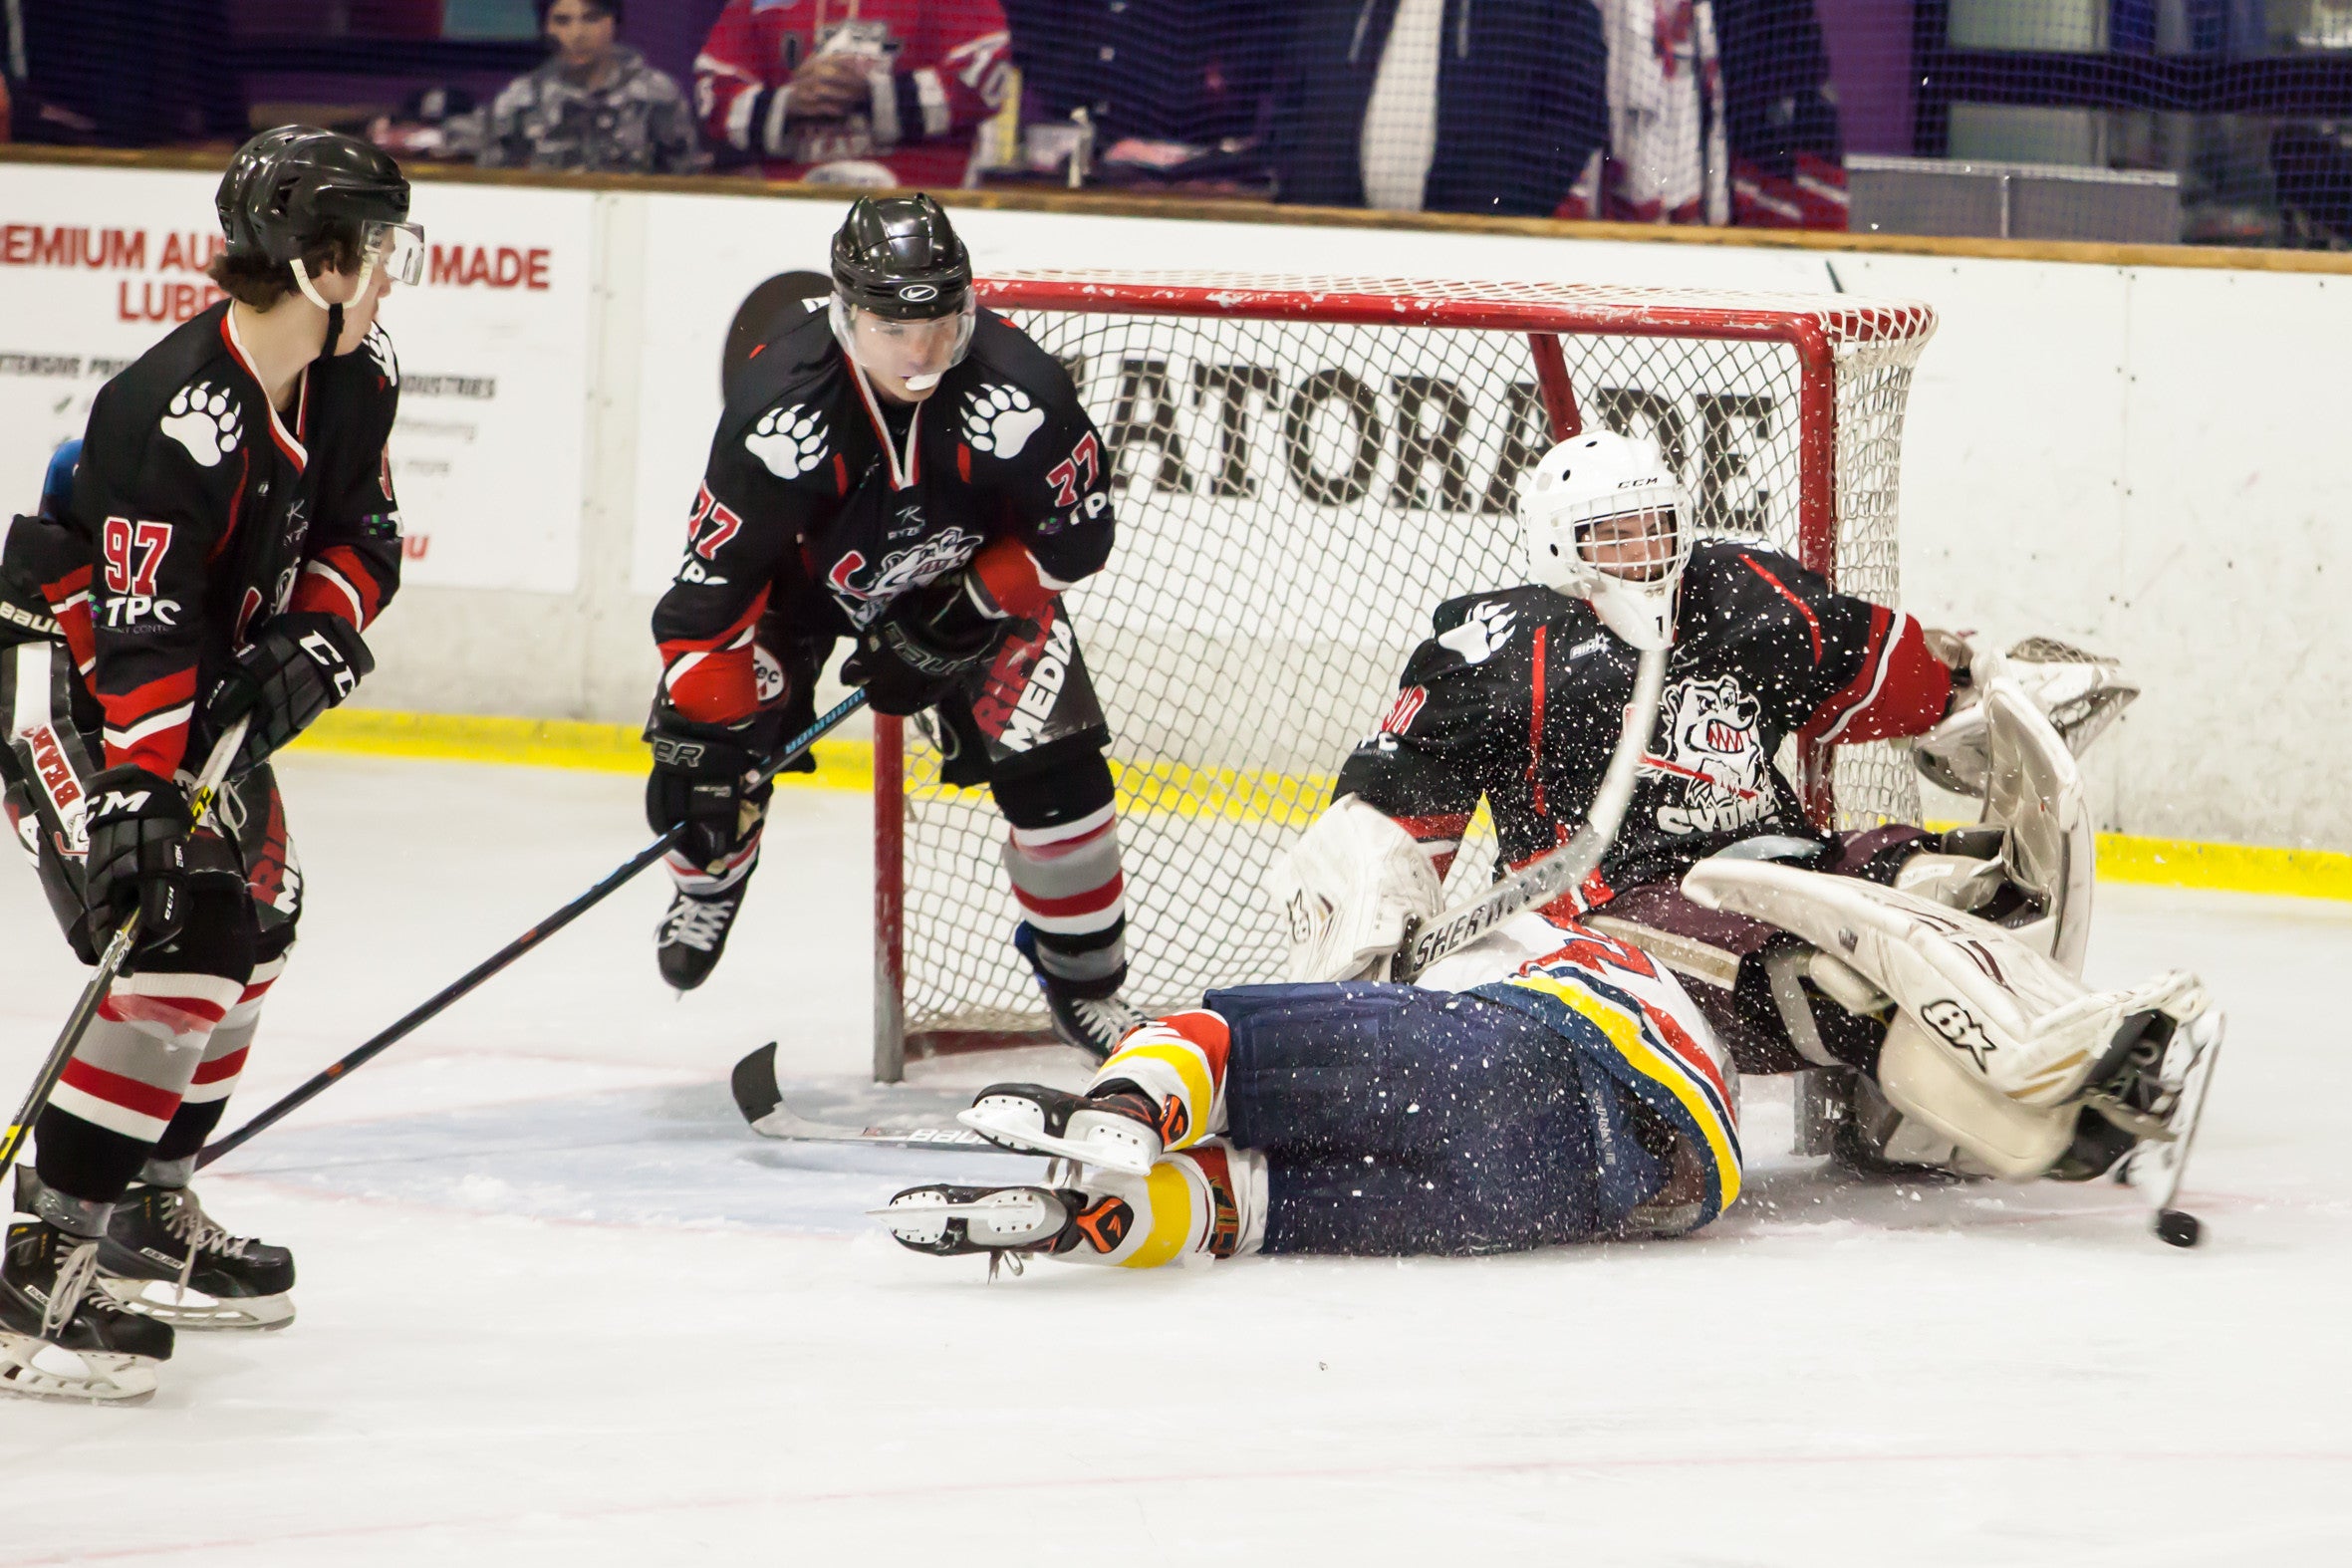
(1545,1085)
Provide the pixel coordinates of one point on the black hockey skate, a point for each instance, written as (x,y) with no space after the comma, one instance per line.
(61,1337)
(164,1258)
(1094,1025)
(1119,1131)
(1008,1224)
(690,938)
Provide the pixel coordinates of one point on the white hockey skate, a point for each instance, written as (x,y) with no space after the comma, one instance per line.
(1116,1131)
(1005,1223)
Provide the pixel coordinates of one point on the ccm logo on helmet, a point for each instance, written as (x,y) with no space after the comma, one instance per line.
(917,293)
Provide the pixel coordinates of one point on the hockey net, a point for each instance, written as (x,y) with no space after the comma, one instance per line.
(1305,467)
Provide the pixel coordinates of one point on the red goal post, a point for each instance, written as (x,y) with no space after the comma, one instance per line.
(1306,468)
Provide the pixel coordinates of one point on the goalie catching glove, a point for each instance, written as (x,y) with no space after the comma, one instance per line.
(303,663)
(2080,693)
(918,653)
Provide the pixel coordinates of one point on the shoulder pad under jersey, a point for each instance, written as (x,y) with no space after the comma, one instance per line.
(799,364)
(1003,352)
(1484,629)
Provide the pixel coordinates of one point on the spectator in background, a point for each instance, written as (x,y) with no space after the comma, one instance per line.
(119,73)
(1444,105)
(1720,111)
(594,106)
(1172,70)
(1788,153)
(854,92)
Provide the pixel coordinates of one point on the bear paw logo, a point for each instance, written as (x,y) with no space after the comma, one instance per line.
(788,440)
(1484,631)
(999,421)
(380,348)
(203,418)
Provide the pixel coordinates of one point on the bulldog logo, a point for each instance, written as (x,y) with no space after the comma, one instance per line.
(1714,747)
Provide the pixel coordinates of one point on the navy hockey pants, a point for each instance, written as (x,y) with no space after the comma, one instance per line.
(1401,1121)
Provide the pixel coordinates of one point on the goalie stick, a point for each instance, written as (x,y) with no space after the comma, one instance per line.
(360,1055)
(1542,881)
(110,963)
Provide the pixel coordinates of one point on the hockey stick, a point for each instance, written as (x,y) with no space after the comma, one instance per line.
(1538,884)
(110,963)
(763,1105)
(439,1002)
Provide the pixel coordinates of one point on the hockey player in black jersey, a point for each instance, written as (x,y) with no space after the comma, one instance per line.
(1941,978)
(909,471)
(230,535)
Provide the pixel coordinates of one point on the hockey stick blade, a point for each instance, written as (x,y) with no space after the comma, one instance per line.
(764,1107)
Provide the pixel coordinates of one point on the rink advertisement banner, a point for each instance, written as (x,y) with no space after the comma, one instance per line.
(95,266)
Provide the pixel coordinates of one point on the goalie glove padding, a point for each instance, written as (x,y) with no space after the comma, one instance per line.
(2081,692)
(1349,890)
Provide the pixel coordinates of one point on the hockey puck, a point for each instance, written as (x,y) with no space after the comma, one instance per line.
(2178,1227)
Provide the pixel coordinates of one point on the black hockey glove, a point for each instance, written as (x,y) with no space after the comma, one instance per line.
(138,827)
(932,638)
(303,663)
(702,782)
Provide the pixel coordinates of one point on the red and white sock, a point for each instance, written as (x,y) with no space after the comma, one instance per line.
(1073,895)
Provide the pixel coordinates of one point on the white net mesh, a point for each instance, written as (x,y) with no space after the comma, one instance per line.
(1295,495)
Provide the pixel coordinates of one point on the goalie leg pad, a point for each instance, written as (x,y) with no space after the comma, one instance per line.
(1926,1081)
(1980,1013)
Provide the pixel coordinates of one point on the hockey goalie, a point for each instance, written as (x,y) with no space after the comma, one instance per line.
(1937,977)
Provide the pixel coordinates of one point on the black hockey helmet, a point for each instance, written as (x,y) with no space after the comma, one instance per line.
(286,188)
(898,257)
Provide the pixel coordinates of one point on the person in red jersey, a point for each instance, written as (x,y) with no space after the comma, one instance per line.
(902,467)
(853,92)
(229,536)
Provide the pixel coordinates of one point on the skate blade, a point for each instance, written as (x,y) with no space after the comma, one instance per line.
(1125,1157)
(191,1309)
(34,1369)
(1013,1217)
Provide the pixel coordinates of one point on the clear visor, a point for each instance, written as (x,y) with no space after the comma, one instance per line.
(395,249)
(1644,545)
(917,353)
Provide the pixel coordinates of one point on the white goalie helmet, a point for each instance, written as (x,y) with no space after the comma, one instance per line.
(1609,521)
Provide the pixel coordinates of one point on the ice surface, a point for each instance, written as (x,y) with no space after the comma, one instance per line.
(559,1306)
